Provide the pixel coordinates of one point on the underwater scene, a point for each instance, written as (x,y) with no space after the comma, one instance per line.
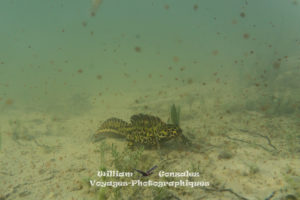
(154,100)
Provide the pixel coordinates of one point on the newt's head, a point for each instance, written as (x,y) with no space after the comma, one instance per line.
(170,131)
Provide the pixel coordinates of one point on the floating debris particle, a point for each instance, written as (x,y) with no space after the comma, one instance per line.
(95,6)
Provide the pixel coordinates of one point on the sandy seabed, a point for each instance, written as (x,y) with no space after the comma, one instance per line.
(243,154)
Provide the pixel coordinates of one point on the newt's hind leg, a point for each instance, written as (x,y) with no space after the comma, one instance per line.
(133,146)
(185,140)
(130,145)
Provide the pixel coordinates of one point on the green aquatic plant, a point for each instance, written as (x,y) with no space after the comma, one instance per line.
(86,181)
(117,158)
(117,193)
(16,129)
(293,182)
(225,154)
(122,160)
(103,193)
(0,141)
(162,193)
(103,148)
(175,115)
(127,159)
(253,169)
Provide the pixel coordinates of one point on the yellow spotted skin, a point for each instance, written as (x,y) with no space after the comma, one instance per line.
(142,129)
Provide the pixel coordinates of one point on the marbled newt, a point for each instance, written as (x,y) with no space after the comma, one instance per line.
(143,129)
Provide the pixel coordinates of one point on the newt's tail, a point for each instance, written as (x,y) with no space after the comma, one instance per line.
(113,125)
